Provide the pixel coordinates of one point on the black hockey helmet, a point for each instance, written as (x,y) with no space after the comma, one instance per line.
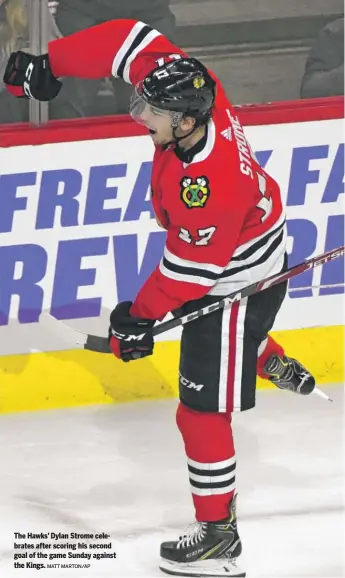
(182,86)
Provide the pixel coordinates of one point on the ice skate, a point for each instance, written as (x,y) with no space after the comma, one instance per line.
(207,549)
(288,373)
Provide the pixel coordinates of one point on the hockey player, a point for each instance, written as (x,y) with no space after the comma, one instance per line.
(225,229)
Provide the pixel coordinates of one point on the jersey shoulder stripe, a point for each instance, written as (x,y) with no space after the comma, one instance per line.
(137,40)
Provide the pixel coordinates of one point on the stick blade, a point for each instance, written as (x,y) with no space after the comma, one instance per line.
(74,337)
(97,344)
(69,335)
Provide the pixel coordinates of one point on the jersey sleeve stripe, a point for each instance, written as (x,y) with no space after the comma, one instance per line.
(169,256)
(235,268)
(257,245)
(122,55)
(186,275)
(247,249)
(192,271)
(140,36)
(255,257)
(143,44)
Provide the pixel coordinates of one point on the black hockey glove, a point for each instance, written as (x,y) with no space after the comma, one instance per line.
(31,76)
(130,337)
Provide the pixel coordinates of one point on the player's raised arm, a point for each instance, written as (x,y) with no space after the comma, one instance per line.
(127,49)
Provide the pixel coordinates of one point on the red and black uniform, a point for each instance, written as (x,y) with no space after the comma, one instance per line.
(222,212)
(225,229)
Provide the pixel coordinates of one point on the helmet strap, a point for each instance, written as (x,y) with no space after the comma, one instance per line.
(177,117)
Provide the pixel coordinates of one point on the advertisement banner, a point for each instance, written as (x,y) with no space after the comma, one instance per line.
(78,234)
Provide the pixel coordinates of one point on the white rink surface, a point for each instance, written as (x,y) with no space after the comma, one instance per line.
(121,470)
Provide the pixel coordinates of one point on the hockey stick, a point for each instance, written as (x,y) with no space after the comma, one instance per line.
(306,288)
(100,344)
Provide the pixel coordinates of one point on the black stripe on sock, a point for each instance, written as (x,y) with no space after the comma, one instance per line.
(212,485)
(210,473)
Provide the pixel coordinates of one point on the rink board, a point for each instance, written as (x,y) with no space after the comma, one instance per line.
(69,378)
(77,235)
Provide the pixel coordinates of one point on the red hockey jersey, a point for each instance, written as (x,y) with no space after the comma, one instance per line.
(222,212)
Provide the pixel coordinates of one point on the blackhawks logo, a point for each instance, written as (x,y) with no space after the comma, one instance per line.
(195,194)
(199,82)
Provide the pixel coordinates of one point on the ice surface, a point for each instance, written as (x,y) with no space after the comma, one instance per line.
(121,470)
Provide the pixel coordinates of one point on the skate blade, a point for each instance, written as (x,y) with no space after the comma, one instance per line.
(202,568)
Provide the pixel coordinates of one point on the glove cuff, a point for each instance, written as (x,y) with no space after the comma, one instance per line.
(134,311)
